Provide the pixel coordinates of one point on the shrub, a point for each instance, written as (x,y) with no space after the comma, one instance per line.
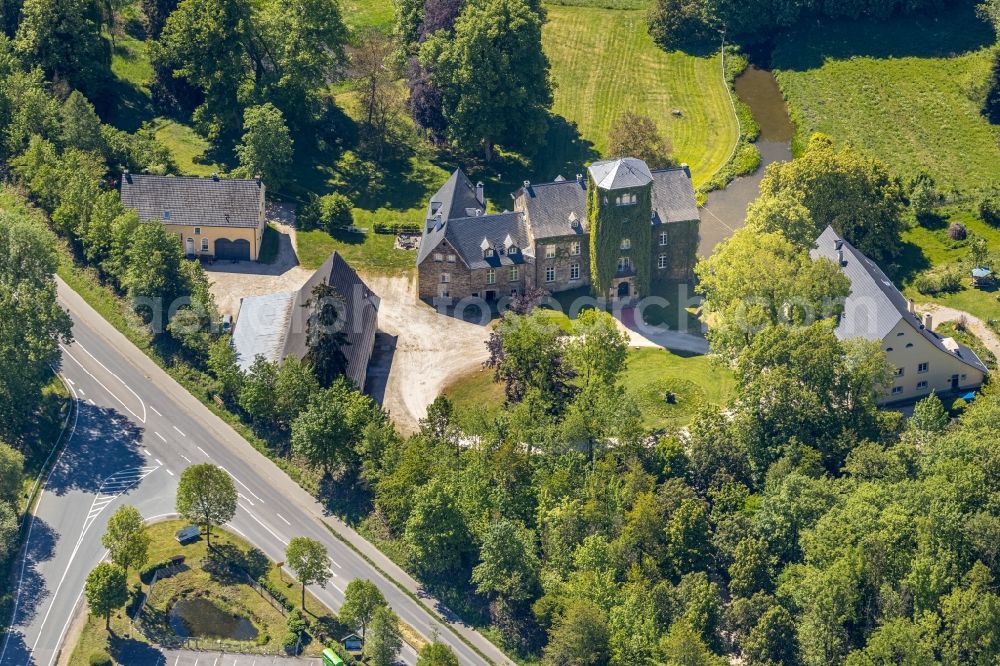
(276,592)
(957,231)
(296,624)
(290,642)
(100,659)
(958,406)
(329,212)
(937,282)
(989,209)
(923,198)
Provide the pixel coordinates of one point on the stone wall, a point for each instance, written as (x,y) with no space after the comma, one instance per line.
(681,250)
(562,262)
(463,281)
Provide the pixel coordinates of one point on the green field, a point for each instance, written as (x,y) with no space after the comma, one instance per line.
(605,63)
(897,89)
(651,373)
(368,252)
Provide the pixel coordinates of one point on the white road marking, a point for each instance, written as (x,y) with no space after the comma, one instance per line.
(170,473)
(141,402)
(185,457)
(158,461)
(72,383)
(146,451)
(283,518)
(334,562)
(81,390)
(244,497)
(180,431)
(269,530)
(160,436)
(242,484)
(112,393)
(203,451)
(156,410)
(91,401)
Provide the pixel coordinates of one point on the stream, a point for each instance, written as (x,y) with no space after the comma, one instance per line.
(725,211)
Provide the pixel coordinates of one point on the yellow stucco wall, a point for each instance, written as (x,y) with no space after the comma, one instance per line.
(906,349)
(184,232)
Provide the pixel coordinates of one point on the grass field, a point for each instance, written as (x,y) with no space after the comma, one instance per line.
(371,253)
(604,63)
(931,248)
(186,147)
(651,373)
(897,89)
(195,579)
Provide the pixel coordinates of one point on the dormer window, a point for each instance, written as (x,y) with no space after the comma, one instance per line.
(166,215)
(626,243)
(488,252)
(513,249)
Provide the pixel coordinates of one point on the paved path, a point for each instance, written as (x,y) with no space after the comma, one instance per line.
(192,658)
(135,431)
(977,326)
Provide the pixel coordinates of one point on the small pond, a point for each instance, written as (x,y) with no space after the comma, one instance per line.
(200,618)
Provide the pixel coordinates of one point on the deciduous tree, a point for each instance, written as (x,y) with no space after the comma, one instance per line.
(636,135)
(383,642)
(308,560)
(206,495)
(361,599)
(106,591)
(126,538)
(266,148)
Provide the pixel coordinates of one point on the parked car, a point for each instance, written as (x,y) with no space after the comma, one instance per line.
(227,323)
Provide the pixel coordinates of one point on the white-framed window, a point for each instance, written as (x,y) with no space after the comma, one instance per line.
(445,278)
(923,367)
(488,252)
(897,389)
(514,276)
(197,231)
(550,274)
(491,276)
(513,249)
(574,271)
(438,256)
(661,261)
(900,372)
(623,264)
(451,258)
(921,386)
(204,245)
(513,292)
(626,244)
(550,251)
(663,238)
(574,248)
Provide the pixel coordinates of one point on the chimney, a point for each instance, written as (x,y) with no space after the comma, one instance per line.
(257,178)
(928,321)
(481,193)
(127,176)
(686,168)
(911,307)
(579,178)
(215,176)
(479,212)
(838,244)
(527,184)
(840,257)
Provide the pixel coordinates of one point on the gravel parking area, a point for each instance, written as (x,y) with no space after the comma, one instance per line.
(234,281)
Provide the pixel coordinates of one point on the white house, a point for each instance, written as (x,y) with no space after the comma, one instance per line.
(875,310)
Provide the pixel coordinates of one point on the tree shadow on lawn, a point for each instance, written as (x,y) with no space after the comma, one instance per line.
(953,31)
(908,263)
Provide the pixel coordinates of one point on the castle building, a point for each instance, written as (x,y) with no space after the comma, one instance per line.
(615,232)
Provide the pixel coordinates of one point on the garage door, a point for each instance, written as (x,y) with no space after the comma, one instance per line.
(227,249)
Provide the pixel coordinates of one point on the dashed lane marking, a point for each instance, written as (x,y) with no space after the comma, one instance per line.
(283,518)
(180,432)
(155,410)
(160,436)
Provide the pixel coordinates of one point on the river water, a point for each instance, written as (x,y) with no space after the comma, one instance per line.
(725,211)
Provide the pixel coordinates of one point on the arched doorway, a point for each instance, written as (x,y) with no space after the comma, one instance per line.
(623,289)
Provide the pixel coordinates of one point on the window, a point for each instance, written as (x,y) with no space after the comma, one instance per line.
(197,231)
(623,264)
(574,248)
(661,261)
(888,349)
(574,271)
(451,258)
(921,368)
(166,215)
(550,251)
(663,238)
(438,256)
(899,372)
(626,243)
(204,245)
(626,200)
(488,252)
(897,389)
(921,386)
(550,274)
(909,344)
(513,292)
(491,276)
(445,278)
(513,249)
(899,334)
(514,277)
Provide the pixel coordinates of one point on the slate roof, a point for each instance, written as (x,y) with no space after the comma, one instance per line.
(673,196)
(875,306)
(275,325)
(548,207)
(466,235)
(456,198)
(198,202)
(620,173)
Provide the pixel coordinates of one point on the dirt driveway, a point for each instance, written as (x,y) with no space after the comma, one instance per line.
(234,281)
(421,351)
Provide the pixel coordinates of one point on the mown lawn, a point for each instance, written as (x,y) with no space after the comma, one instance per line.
(605,63)
(195,579)
(931,248)
(650,375)
(897,89)
(368,252)
(186,147)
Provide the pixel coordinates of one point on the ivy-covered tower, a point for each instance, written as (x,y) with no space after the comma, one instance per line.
(619,213)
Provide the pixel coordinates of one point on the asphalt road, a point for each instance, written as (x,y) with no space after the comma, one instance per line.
(135,431)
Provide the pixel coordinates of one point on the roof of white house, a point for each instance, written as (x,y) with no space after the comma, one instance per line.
(875,307)
(620,173)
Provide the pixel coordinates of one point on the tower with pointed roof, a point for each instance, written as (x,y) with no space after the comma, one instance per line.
(620,212)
